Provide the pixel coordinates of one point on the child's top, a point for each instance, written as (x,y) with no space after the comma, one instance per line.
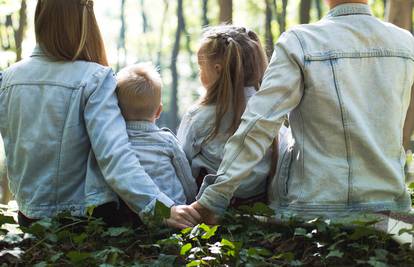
(207,154)
(163,159)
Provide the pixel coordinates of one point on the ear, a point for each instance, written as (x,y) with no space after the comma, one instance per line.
(159,111)
(218,68)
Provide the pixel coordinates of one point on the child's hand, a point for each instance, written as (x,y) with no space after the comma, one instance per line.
(207,215)
(183,217)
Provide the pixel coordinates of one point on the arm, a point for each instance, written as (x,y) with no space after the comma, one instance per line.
(409,122)
(119,165)
(281,92)
(183,170)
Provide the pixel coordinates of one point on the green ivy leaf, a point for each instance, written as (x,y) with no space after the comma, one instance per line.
(77,257)
(118,231)
(227,243)
(161,211)
(185,249)
(210,232)
(335,253)
(6,219)
(194,263)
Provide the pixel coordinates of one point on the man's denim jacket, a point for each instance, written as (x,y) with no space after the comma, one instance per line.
(65,140)
(345,83)
(204,153)
(164,160)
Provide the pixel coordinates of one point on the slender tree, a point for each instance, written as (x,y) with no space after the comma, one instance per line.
(121,41)
(399,12)
(174,72)
(145,25)
(304,14)
(205,20)
(318,4)
(161,36)
(19,32)
(226,11)
(281,16)
(268,24)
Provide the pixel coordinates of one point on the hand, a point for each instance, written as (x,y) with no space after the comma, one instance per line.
(207,215)
(183,217)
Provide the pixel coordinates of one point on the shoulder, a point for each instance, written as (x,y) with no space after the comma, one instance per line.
(200,113)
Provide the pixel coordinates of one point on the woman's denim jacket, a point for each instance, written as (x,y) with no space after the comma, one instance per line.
(65,139)
(345,83)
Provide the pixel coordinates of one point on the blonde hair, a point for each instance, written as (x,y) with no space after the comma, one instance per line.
(139,91)
(243,60)
(67,30)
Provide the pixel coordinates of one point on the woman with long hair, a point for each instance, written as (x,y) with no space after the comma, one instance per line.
(65,139)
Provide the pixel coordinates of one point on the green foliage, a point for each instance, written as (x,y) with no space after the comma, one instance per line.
(242,240)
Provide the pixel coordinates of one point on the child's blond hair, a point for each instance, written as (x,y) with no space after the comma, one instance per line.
(139,91)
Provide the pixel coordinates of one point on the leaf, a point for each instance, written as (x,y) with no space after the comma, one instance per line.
(90,210)
(210,233)
(161,211)
(15,252)
(227,243)
(185,249)
(79,239)
(194,263)
(41,264)
(300,232)
(335,253)
(288,256)
(117,231)
(77,257)
(56,257)
(260,208)
(6,219)
(11,239)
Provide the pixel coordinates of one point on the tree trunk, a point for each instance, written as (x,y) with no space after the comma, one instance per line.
(19,32)
(226,11)
(174,72)
(205,21)
(319,8)
(399,12)
(160,40)
(268,24)
(304,16)
(281,16)
(145,26)
(121,42)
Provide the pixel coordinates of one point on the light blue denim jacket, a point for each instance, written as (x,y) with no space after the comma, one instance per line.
(345,83)
(65,139)
(203,153)
(164,160)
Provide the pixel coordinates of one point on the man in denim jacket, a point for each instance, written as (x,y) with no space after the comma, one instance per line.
(345,82)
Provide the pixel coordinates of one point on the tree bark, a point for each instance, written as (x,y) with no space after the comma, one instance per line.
(304,16)
(174,72)
(20,31)
(269,33)
(319,8)
(121,41)
(399,12)
(226,11)
(160,40)
(281,16)
(205,21)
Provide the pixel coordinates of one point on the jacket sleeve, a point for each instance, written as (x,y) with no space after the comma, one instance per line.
(118,163)
(183,171)
(280,93)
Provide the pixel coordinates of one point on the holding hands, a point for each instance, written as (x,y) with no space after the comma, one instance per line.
(185,216)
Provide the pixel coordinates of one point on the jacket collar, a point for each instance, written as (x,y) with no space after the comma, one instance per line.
(142,126)
(38,51)
(350,9)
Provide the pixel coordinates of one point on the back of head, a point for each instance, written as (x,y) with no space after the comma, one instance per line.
(239,51)
(67,30)
(139,92)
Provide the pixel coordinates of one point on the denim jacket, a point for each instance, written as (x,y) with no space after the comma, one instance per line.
(164,160)
(345,83)
(195,127)
(65,140)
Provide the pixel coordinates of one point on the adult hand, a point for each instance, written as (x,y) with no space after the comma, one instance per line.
(207,215)
(183,217)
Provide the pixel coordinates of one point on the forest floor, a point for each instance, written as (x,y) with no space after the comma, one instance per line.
(242,239)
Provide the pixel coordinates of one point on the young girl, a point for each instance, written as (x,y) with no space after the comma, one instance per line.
(232,64)
(65,140)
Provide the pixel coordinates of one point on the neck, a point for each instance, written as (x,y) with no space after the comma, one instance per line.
(334,3)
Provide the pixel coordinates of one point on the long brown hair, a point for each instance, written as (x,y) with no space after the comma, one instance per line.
(243,60)
(67,30)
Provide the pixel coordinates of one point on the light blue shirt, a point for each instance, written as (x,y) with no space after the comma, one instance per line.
(65,140)
(163,159)
(345,82)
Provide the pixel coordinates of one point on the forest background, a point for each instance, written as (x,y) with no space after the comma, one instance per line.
(167,33)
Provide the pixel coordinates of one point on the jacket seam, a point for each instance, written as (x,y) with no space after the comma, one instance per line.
(346,131)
